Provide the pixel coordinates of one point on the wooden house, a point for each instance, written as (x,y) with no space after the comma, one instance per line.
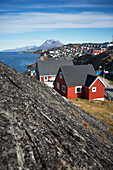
(79,81)
(46,70)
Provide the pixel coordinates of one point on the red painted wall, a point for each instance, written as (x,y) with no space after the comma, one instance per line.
(100,89)
(49,77)
(86,92)
(71,93)
(42,78)
(61,82)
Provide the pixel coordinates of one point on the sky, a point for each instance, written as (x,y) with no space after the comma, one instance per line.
(32,22)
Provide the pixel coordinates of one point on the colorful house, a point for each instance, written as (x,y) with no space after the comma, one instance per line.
(79,81)
(46,70)
(96,51)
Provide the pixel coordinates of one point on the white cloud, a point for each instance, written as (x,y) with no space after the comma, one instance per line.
(70,6)
(34,21)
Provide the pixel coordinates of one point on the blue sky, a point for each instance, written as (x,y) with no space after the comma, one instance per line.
(31,22)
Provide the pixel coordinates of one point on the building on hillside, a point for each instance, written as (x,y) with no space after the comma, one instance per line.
(96,51)
(79,81)
(32,70)
(46,70)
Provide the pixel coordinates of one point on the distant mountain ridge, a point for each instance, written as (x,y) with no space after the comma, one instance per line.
(48,44)
(26,48)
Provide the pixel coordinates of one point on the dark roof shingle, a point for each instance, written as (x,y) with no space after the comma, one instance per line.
(76,75)
(51,67)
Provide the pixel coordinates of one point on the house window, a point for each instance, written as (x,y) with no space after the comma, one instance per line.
(78,89)
(58,85)
(60,75)
(63,88)
(93,89)
(45,78)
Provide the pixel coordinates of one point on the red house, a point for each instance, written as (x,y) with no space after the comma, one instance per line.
(79,81)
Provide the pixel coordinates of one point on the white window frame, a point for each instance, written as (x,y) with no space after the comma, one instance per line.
(63,87)
(45,79)
(94,89)
(58,85)
(60,75)
(80,87)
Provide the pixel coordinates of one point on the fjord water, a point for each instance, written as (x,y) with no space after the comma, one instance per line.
(18,61)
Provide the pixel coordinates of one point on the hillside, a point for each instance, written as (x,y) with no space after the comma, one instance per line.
(40,130)
(104,59)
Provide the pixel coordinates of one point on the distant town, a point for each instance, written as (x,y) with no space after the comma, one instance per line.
(79,64)
(100,55)
(75,50)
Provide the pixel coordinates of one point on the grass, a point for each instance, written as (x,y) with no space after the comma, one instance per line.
(102,110)
(111,82)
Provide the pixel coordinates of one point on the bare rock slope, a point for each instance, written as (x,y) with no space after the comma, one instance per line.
(41,130)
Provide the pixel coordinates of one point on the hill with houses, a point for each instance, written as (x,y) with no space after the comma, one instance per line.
(40,128)
(86,53)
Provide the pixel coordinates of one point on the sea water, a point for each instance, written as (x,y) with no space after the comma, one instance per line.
(18,61)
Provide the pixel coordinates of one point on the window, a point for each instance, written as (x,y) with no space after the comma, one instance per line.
(60,75)
(45,78)
(63,88)
(78,89)
(58,85)
(93,89)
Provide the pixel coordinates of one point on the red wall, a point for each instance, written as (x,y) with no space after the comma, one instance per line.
(61,82)
(98,52)
(86,92)
(42,78)
(71,93)
(100,89)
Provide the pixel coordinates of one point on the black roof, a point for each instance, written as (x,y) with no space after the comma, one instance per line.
(76,75)
(51,67)
(89,80)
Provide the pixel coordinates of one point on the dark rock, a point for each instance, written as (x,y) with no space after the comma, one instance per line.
(39,129)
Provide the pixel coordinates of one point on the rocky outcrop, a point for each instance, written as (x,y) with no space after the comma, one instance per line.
(41,130)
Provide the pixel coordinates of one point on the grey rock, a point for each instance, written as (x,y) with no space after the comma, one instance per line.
(41,130)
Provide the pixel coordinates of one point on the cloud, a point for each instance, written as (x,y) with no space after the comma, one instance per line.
(35,21)
(70,6)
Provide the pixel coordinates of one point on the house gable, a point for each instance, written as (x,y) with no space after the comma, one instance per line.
(96,80)
(60,84)
(96,90)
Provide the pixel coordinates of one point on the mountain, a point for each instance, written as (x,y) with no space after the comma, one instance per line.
(39,129)
(48,44)
(45,46)
(26,48)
